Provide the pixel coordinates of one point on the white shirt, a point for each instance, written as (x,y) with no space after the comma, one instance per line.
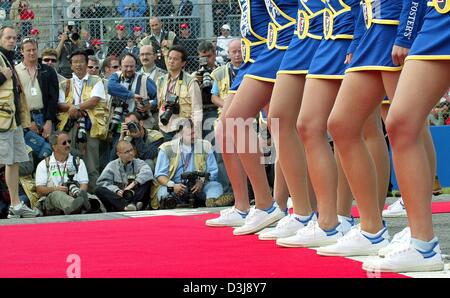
(56,175)
(77,89)
(223,42)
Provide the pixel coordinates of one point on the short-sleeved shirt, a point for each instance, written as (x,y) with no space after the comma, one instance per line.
(57,172)
(77,89)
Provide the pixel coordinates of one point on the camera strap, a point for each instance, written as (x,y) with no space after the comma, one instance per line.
(171,87)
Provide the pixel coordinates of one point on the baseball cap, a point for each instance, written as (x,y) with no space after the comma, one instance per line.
(225,27)
(137,28)
(34,31)
(96,41)
(184,26)
(120,27)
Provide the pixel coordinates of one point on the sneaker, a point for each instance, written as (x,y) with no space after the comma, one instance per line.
(130,207)
(396,209)
(355,243)
(258,219)
(402,238)
(349,222)
(230,217)
(407,259)
(286,227)
(313,235)
(23,212)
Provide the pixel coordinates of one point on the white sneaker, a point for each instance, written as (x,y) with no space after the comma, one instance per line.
(286,227)
(258,219)
(401,239)
(348,222)
(313,236)
(355,243)
(396,209)
(407,259)
(230,217)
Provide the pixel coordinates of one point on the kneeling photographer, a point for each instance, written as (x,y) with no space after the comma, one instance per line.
(186,171)
(130,92)
(124,184)
(146,141)
(62,181)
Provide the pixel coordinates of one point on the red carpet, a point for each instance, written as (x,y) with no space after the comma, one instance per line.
(160,246)
(436,207)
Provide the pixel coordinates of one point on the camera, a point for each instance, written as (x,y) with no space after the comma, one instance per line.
(171,107)
(128,194)
(169,201)
(205,72)
(73,36)
(120,107)
(72,185)
(144,115)
(133,127)
(81,133)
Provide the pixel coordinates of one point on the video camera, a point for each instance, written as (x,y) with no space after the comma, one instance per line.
(188,199)
(205,72)
(171,106)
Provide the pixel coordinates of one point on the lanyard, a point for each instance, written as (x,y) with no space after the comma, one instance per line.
(61,174)
(172,83)
(81,91)
(32,78)
(185,158)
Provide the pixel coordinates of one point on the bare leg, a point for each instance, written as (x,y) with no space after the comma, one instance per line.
(284,109)
(318,100)
(281,191)
(344,194)
(411,105)
(12,181)
(347,134)
(250,98)
(376,144)
(235,170)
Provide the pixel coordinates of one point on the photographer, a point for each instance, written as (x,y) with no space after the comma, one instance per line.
(131,10)
(207,63)
(178,96)
(124,184)
(69,42)
(131,92)
(62,179)
(146,141)
(161,40)
(83,113)
(187,154)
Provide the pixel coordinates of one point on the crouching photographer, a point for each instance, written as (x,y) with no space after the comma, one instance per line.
(62,181)
(186,171)
(146,141)
(124,184)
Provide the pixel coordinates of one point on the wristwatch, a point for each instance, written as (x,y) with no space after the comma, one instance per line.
(77,106)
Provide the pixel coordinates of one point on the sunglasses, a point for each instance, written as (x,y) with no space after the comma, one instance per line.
(91,66)
(49,60)
(66,142)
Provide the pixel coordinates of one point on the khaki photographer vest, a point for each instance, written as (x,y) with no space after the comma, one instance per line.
(201,146)
(181,90)
(97,115)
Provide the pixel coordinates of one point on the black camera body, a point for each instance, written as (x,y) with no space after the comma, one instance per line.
(188,199)
(133,127)
(120,108)
(128,194)
(171,106)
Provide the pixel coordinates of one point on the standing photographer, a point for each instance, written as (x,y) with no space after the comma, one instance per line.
(181,156)
(207,63)
(131,92)
(82,107)
(69,42)
(62,179)
(179,96)
(146,141)
(161,40)
(124,184)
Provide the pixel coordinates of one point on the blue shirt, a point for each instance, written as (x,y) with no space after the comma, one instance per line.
(215,89)
(186,160)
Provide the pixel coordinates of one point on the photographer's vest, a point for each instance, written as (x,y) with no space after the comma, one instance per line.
(7,105)
(154,135)
(181,90)
(98,115)
(222,76)
(170,37)
(201,146)
(138,85)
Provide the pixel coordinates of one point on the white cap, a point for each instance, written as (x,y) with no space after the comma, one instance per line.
(226,27)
